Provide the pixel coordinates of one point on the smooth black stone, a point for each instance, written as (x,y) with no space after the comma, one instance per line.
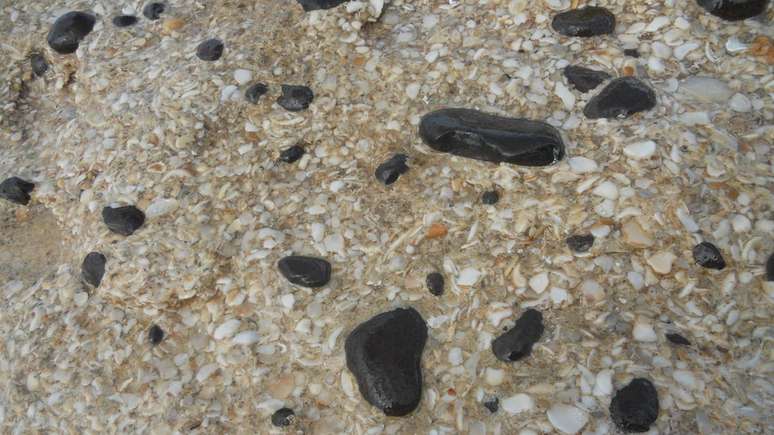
(93,268)
(492,404)
(580,242)
(708,255)
(291,154)
(155,334)
(305,271)
(584,22)
(770,268)
(210,50)
(631,52)
(517,342)
(283,417)
(389,171)
(123,220)
(490,197)
(584,79)
(313,5)
(295,98)
(734,10)
(68,31)
(384,354)
(622,97)
(482,136)
(435,283)
(635,407)
(153,11)
(678,339)
(16,190)
(38,64)
(255,92)
(124,20)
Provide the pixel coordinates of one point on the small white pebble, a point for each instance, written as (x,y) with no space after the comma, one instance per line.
(740,103)
(740,223)
(582,165)
(517,404)
(494,377)
(603,384)
(565,94)
(640,150)
(685,378)
(246,338)
(644,332)
(606,189)
(539,282)
(243,76)
(683,50)
(226,329)
(412,90)
(336,185)
(661,262)
(288,300)
(455,356)
(592,291)
(205,372)
(567,419)
(468,276)
(559,295)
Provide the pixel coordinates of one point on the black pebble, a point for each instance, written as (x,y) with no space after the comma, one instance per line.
(435,283)
(384,355)
(124,20)
(155,334)
(580,242)
(153,11)
(68,31)
(584,22)
(295,98)
(492,404)
(631,52)
(210,50)
(635,407)
(678,339)
(584,79)
(518,341)
(490,197)
(16,190)
(770,268)
(291,154)
(123,220)
(708,255)
(283,417)
(38,64)
(622,97)
(93,268)
(734,10)
(305,271)
(313,5)
(255,92)
(392,168)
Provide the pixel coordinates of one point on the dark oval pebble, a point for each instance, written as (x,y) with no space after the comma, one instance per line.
(770,268)
(313,5)
(635,407)
(16,190)
(255,92)
(482,136)
(490,197)
(305,271)
(384,355)
(622,97)
(124,20)
(580,242)
(584,79)
(68,31)
(291,154)
(123,220)
(283,417)
(435,283)
(518,341)
(734,10)
(155,334)
(678,339)
(584,22)
(631,52)
(153,11)
(708,255)
(492,404)
(93,268)
(389,171)
(210,50)
(38,64)
(295,98)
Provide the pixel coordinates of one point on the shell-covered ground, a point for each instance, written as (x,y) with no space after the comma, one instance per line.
(134,117)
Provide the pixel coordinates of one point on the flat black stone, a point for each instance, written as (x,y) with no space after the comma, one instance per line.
(734,10)
(622,97)
(482,136)
(295,98)
(770,268)
(68,31)
(708,255)
(678,339)
(255,92)
(584,22)
(93,268)
(584,79)
(631,52)
(305,271)
(123,220)
(38,64)
(153,11)
(580,242)
(389,171)
(291,154)
(16,190)
(155,334)
(435,283)
(124,20)
(384,354)
(283,417)
(313,5)
(490,197)
(492,404)
(518,341)
(635,407)
(210,50)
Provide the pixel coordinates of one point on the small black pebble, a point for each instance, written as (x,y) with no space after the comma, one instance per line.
(490,197)
(39,64)
(517,342)
(123,220)
(631,52)
(16,190)
(295,98)
(678,339)
(584,79)
(492,404)
(68,31)
(708,255)
(313,5)
(93,268)
(580,242)
(153,11)
(734,10)
(283,417)
(305,271)
(584,22)
(124,20)
(389,171)
(291,154)
(435,283)
(621,98)
(635,407)
(210,50)
(770,268)
(155,334)
(255,92)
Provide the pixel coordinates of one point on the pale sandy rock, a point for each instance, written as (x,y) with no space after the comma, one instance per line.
(633,234)
(643,331)
(567,419)
(661,262)
(517,404)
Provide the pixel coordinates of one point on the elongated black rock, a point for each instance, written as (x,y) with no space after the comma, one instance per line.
(93,268)
(283,417)
(124,20)
(392,168)
(155,334)
(295,98)
(16,190)
(38,64)
(482,136)
(210,50)
(518,341)
(291,154)
(635,407)
(584,79)
(580,242)
(770,268)
(621,98)
(68,31)
(435,283)
(734,10)
(313,5)
(123,220)
(153,11)
(708,255)
(584,22)
(305,271)
(384,354)
(677,339)
(255,92)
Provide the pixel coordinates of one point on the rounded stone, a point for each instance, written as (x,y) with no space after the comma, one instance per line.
(153,11)
(584,22)
(634,408)
(435,283)
(155,334)
(708,256)
(68,31)
(295,98)
(210,50)
(490,197)
(124,20)
(283,417)
(255,92)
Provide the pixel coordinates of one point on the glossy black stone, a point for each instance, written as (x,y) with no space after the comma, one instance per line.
(492,404)
(295,98)
(255,92)
(16,190)
(435,283)
(631,52)
(123,220)
(305,271)
(770,268)
(490,197)
(93,268)
(155,334)
(392,168)
(708,255)
(124,20)
(313,5)
(584,22)
(283,417)
(635,407)
(584,79)
(38,64)
(678,339)
(291,154)
(580,242)
(518,341)
(384,355)
(68,31)
(153,11)
(482,136)
(734,10)
(621,98)
(210,50)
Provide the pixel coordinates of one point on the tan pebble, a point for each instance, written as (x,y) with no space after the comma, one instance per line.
(436,231)
(661,262)
(172,24)
(282,387)
(634,235)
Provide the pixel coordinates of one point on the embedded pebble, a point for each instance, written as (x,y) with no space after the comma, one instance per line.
(494,376)
(490,197)
(734,10)
(390,170)
(93,268)
(38,64)
(492,404)
(621,98)
(634,408)
(584,79)
(435,283)
(153,10)
(124,20)
(123,220)
(740,103)
(644,332)
(243,76)
(68,30)
(468,276)
(517,404)
(210,50)
(255,92)
(580,242)
(582,165)
(706,89)
(661,262)
(16,190)
(283,417)
(246,338)
(313,5)
(305,271)
(567,419)
(677,339)
(708,255)
(539,282)
(291,154)
(584,22)
(155,334)
(295,98)
(640,150)
(226,329)
(517,342)
(634,235)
